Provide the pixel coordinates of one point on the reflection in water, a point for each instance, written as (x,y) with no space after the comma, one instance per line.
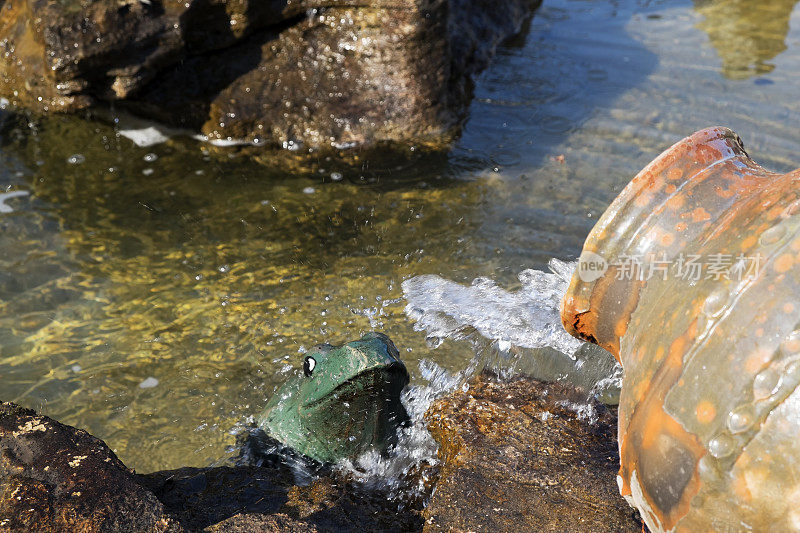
(747,34)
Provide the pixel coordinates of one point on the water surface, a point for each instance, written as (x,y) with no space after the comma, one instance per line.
(155,296)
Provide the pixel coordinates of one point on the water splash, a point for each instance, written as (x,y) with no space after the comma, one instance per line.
(407,468)
(514,332)
(528,318)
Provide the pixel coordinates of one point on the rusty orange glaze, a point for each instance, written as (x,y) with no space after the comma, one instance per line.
(710,406)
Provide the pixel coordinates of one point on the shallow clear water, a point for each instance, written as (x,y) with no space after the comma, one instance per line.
(156,296)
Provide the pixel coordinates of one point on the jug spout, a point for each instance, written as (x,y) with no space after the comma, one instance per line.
(678,200)
(691,278)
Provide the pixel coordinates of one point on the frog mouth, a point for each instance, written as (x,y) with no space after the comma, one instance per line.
(370,384)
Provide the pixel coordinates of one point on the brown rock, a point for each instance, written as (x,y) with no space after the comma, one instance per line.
(54,477)
(524,455)
(313,72)
(57,478)
(335,505)
(246,497)
(259,523)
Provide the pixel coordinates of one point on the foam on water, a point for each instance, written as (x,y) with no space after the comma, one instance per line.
(4,208)
(527,318)
(147,136)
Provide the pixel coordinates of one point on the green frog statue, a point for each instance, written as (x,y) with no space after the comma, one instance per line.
(345,402)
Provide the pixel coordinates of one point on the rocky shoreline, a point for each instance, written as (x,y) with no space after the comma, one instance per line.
(515,455)
(292,73)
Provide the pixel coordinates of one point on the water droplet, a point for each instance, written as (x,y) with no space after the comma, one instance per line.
(741,419)
(792,369)
(76,159)
(336,176)
(791,344)
(76,368)
(433,342)
(716,301)
(309,190)
(224,268)
(150,157)
(772,235)
(707,468)
(721,446)
(766,384)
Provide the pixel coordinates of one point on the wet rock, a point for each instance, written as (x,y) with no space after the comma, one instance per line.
(54,477)
(259,523)
(524,455)
(289,72)
(335,505)
(247,498)
(57,478)
(202,497)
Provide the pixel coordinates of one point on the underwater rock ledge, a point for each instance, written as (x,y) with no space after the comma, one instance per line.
(296,73)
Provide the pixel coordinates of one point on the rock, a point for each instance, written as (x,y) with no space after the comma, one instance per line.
(247,497)
(54,477)
(334,505)
(291,72)
(524,455)
(202,497)
(57,478)
(259,523)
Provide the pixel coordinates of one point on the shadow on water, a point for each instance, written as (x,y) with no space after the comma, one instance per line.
(576,59)
(746,34)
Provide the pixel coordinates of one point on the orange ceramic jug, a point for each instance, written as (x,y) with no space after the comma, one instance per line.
(691,279)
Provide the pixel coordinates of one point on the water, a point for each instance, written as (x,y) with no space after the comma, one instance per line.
(528,318)
(205,271)
(513,332)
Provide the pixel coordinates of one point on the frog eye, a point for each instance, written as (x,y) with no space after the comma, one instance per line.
(309,363)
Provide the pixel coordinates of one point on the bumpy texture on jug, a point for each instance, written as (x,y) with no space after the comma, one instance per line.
(700,303)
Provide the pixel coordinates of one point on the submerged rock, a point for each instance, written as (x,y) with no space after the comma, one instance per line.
(524,455)
(285,72)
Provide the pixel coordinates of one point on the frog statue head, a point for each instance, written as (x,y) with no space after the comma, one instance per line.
(345,401)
